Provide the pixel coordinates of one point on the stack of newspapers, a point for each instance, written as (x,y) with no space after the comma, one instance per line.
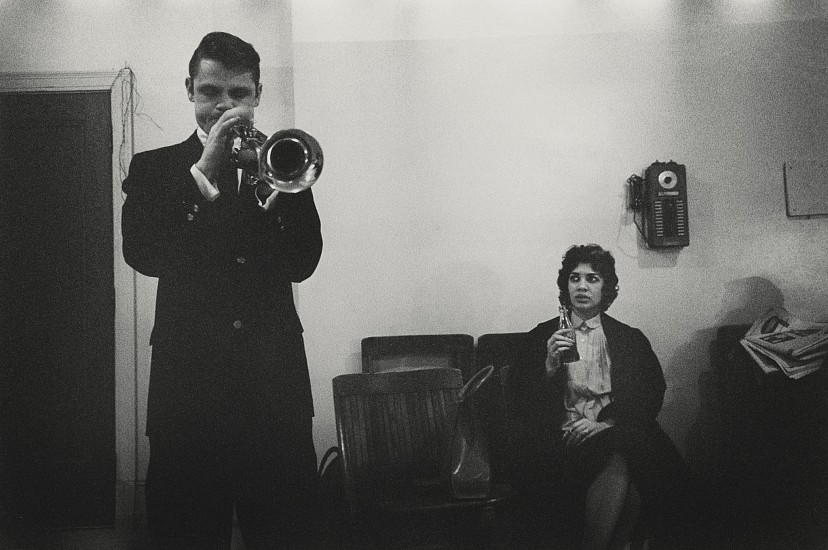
(778,341)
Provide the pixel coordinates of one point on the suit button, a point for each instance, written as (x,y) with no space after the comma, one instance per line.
(241,259)
(195,208)
(237,324)
(190,217)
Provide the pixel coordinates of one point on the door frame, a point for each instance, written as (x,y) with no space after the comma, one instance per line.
(121,85)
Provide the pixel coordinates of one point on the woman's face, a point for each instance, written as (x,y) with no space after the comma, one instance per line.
(586,289)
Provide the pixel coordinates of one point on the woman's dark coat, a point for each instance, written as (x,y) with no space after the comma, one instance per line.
(536,412)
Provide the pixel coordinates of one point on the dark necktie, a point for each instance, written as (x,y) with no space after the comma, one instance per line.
(228,183)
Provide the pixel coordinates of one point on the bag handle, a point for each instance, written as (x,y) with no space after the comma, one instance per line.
(330,455)
(475,382)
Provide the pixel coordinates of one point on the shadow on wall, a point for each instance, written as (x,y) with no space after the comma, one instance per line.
(743,302)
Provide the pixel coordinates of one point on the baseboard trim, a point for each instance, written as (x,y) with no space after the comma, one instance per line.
(130,500)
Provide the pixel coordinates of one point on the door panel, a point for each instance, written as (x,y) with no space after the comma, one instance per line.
(57,376)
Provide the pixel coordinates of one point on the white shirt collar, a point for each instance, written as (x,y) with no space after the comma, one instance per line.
(594,322)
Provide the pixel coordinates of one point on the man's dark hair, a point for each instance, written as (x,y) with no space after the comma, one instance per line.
(229,50)
(600,260)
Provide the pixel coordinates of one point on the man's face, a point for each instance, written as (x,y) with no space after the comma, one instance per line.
(215,89)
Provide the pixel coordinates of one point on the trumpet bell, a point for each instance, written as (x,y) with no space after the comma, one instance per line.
(290,161)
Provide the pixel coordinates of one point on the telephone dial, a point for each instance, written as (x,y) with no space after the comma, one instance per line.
(660,201)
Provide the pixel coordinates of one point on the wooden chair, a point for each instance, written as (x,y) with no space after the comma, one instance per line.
(392,429)
(407,352)
(499,349)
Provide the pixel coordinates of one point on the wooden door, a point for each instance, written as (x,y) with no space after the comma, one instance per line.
(57,375)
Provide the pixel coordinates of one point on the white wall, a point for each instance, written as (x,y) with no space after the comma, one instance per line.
(467,144)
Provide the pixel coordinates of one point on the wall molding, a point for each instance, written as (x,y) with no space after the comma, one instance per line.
(58,81)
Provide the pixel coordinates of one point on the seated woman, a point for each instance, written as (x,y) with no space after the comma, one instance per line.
(587,440)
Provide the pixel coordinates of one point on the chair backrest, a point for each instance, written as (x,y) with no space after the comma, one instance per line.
(499,350)
(392,429)
(407,352)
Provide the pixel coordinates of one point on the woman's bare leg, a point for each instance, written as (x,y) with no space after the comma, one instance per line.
(628,519)
(605,500)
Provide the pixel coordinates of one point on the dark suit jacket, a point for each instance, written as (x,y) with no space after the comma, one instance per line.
(226,330)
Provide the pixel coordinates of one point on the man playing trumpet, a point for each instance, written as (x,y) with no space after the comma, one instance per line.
(229,412)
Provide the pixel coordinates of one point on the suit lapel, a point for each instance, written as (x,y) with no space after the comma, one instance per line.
(192,148)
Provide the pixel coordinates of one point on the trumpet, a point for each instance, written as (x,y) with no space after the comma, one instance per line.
(289,160)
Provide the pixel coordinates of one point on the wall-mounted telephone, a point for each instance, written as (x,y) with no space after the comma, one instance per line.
(660,199)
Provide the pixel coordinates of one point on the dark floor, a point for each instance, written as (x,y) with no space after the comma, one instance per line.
(805,528)
(121,537)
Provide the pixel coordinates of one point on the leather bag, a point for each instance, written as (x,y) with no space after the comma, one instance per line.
(468,455)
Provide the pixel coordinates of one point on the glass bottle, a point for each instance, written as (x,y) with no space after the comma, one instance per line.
(571,355)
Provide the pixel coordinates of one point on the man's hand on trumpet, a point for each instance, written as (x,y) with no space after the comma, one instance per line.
(220,141)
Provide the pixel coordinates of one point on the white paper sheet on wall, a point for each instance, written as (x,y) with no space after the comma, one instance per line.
(806,187)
